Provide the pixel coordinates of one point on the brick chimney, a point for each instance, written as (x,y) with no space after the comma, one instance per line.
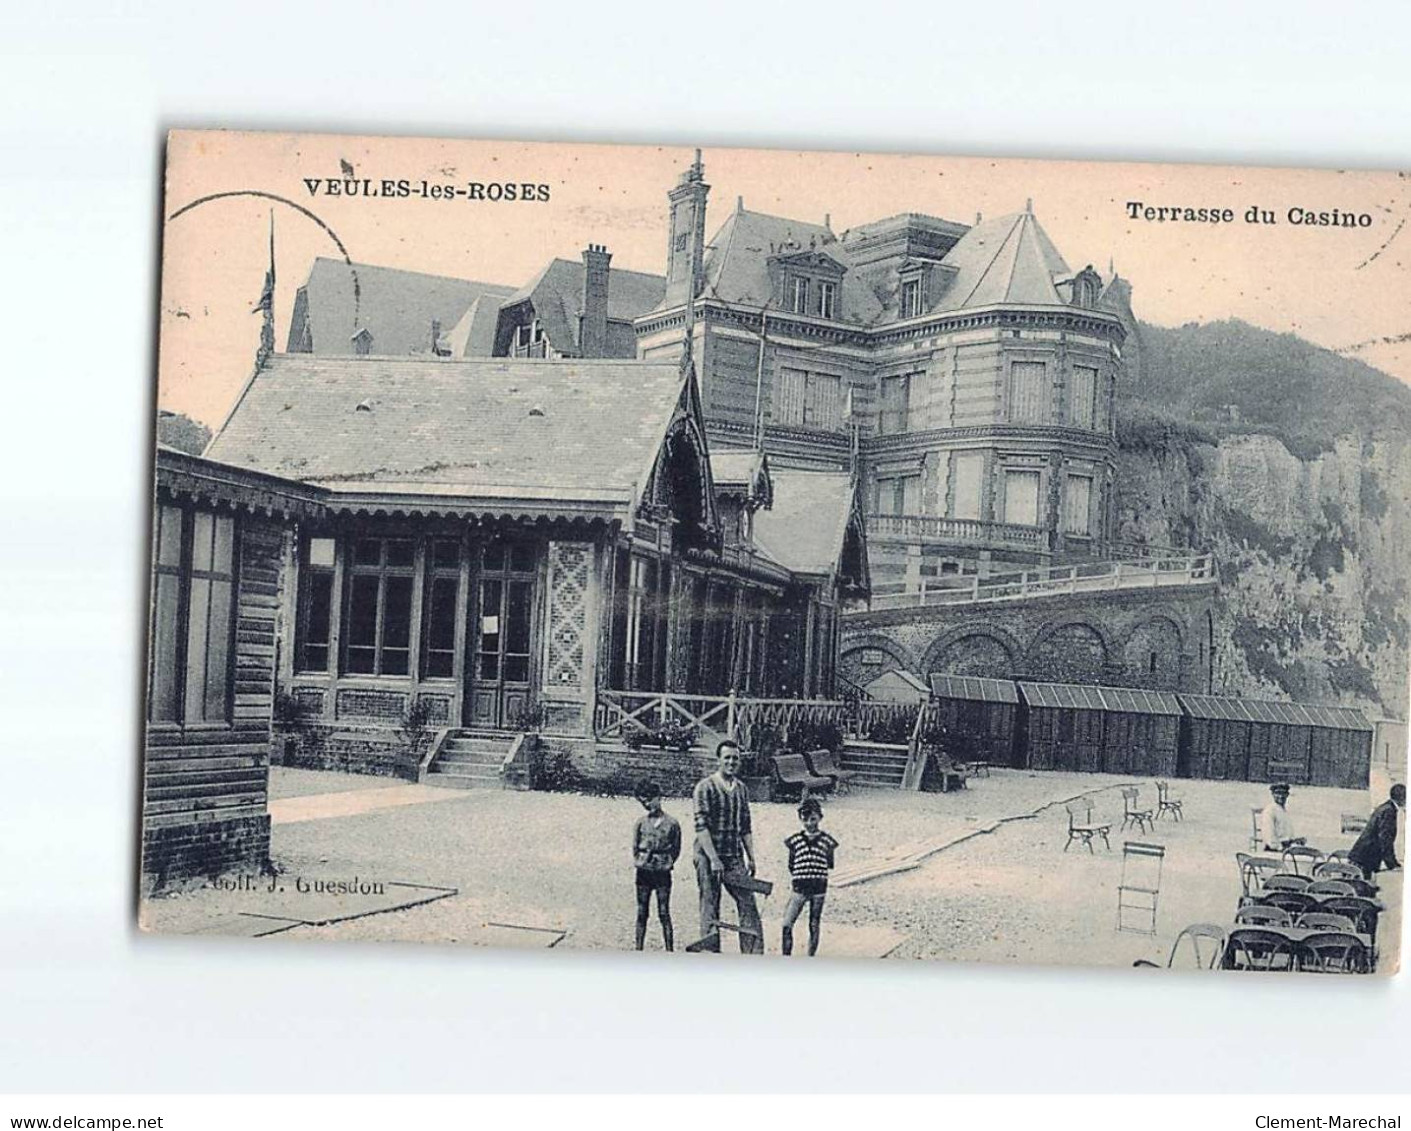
(593,321)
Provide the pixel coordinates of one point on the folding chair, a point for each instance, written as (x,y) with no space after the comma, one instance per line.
(1261,915)
(1132,816)
(1195,933)
(1256,837)
(1363,912)
(1254,870)
(1339,856)
(1254,950)
(1081,827)
(1298,857)
(1140,888)
(1165,803)
(1333,952)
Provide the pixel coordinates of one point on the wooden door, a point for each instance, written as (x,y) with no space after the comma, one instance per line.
(503,632)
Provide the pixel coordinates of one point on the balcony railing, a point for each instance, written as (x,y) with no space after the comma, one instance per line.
(967,531)
(1092,577)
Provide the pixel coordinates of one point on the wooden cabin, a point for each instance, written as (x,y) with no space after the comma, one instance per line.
(1115,730)
(898,686)
(1265,740)
(980,716)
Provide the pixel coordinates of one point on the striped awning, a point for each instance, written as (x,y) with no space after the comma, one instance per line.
(974,688)
(1084,697)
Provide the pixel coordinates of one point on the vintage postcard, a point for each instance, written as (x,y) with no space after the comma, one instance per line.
(786,553)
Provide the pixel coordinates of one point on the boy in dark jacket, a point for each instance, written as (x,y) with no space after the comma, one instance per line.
(656,843)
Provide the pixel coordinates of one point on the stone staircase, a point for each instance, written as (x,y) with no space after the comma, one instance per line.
(471,759)
(875,764)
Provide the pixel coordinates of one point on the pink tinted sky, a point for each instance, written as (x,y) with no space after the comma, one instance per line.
(1334,286)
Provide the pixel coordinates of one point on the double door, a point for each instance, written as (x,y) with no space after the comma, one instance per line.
(501,634)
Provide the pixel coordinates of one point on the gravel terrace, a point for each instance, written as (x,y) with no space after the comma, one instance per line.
(561,861)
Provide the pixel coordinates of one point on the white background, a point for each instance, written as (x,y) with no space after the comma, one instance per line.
(86,92)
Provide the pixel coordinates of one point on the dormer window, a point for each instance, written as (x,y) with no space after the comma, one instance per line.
(798,295)
(911,298)
(827,300)
(362,342)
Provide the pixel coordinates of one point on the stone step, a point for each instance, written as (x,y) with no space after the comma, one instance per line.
(459,780)
(879,781)
(471,757)
(458,743)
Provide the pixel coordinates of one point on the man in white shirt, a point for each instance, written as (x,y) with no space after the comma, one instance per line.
(1275,824)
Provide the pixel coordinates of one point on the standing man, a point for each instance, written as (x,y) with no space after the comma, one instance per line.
(725,850)
(1275,824)
(1375,849)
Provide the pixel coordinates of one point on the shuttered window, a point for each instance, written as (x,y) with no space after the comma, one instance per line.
(1082,397)
(788,404)
(823,402)
(968,472)
(1028,392)
(1077,504)
(896,394)
(1021,497)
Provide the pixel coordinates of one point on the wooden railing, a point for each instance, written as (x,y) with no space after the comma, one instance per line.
(970,531)
(1092,577)
(740,717)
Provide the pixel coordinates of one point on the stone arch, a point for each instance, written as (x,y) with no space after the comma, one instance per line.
(1070,651)
(852,668)
(972,649)
(1151,653)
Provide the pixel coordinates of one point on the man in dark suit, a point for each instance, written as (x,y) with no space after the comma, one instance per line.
(1376,847)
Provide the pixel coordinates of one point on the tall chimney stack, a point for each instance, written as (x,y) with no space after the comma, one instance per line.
(593,321)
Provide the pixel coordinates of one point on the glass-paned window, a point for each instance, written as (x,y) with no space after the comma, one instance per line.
(911,298)
(1028,392)
(193,617)
(1082,398)
(823,402)
(789,397)
(968,471)
(798,295)
(164,703)
(379,620)
(827,300)
(1077,504)
(315,605)
(1021,497)
(438,618)
(209,621)
(896,395)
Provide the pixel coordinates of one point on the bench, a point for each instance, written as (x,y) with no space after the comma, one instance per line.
(791,771)
(825,765)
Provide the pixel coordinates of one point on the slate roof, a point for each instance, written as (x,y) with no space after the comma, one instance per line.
(1271,711)
(1006,260)
(474,334)
(737,262)
(396,307)
(974,688)
(1130,700)
(805,528)
(442,428)
(557,295)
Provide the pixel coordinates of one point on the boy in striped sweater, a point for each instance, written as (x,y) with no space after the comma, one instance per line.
(811,855)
